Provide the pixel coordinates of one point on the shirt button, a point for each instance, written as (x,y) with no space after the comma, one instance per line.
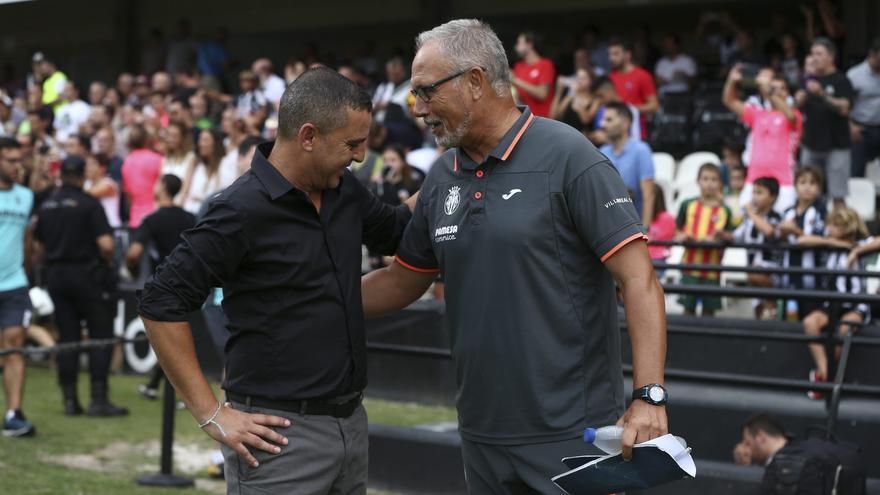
(480,173)
(478,195)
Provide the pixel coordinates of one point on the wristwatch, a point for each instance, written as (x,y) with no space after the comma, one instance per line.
(653,394)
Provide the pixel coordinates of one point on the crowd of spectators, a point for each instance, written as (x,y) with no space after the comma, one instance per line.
(795,125)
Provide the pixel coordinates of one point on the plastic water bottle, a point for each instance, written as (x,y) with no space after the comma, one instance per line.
(607,438)
(791,310)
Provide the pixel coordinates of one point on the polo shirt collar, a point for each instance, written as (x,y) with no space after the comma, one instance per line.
(269,176)
(508,143)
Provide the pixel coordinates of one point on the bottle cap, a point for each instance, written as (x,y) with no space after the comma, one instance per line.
(589,435)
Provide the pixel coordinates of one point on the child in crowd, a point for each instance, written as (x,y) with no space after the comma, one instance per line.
(736,182)
(760,226)
(805,218)
(845,230)
(662,227)
(705,218)
(731,158)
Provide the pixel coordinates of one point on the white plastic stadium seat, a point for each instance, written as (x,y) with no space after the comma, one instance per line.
(872,172)
(862,198)
(734,257)
(689,166)
(664,167)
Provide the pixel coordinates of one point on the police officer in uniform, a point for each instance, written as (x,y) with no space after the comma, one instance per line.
(78,245)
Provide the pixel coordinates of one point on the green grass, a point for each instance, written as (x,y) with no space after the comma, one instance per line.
(34,465)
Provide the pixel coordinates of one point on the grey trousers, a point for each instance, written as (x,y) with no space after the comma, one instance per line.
(835,164)
(324,456)
(518,469)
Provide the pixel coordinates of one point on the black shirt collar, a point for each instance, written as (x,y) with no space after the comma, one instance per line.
(504,148)
(269,176)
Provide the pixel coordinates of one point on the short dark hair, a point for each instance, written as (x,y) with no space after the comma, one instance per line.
(709,167)
(9,143)
(674,37)
(171,184)
(84,141)
(621,108)
(103,160)
(768,183)
(733,145)
(762,421)
(137,137)
(535,39)
(320,96)
(601,81)
(248,143)
(811,170)
(827,44)
(44,113)
(621,42)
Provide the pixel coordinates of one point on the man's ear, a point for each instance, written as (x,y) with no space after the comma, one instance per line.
(308,135)
(475,79)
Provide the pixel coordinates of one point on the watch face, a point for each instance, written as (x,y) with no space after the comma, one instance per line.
(656,394)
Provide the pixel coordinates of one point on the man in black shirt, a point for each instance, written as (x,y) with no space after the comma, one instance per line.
(825,102)
(78,243)
(160,230)
(158,234)
(284,243)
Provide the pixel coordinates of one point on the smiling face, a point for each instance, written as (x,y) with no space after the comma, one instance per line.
(335,150)
(449,113)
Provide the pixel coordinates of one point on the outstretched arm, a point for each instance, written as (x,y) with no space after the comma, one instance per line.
(393,287)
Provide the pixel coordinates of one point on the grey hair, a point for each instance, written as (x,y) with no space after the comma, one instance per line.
(471,43)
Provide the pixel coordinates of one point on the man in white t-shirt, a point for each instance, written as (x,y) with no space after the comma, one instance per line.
(271,84)
(72,114)
(675,72)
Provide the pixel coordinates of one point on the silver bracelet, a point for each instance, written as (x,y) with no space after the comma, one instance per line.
(210,421)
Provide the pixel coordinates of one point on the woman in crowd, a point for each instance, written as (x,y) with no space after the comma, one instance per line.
(399,180)
(99,185)
(205,176)
(575,104)
(179,154)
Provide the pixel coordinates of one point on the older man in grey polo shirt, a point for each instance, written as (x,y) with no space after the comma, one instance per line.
(864,119)
(531,226)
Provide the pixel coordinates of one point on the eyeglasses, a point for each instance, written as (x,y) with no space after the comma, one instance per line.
(424,92)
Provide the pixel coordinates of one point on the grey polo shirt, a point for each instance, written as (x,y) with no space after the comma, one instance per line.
(521,240)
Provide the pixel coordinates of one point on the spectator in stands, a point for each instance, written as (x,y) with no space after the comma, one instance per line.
(806,218)
(40,123)
(631,157)
(244,155)
(704,218)
(97,93)
(845,230)
(251,103)
(533,75)
(182,50)
(662,227)
(789,64)
(161,83)
(125,87)
(775,137)
(826,101)
(762,438)
(199,109)
(102,187)
(104,143)
(399,180)
(394,91)
(731,158)
(603,90)
(864,119)
(271,85)
(212,60)
(293,69)
(140,170)
(634,84)
(736,181)
(575,103)
(10,116)
(598,49)
(71,114)
(746,52)
(179,156)
(205,175)
(78,145)
(761,226)
(676,72)
(53,81)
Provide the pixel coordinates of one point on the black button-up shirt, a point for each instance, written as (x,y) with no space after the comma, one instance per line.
(291,279)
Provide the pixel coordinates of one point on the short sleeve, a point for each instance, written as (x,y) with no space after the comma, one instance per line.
(548,73)
(415,251)
(602,211)
(144,233)
(648,88)
(845,89)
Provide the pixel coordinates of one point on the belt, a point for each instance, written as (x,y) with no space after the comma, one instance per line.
(314,407)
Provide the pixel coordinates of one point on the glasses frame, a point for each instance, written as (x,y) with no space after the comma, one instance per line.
(424,92)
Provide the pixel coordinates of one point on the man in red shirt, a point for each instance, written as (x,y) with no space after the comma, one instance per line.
(634,84)
(534,76)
